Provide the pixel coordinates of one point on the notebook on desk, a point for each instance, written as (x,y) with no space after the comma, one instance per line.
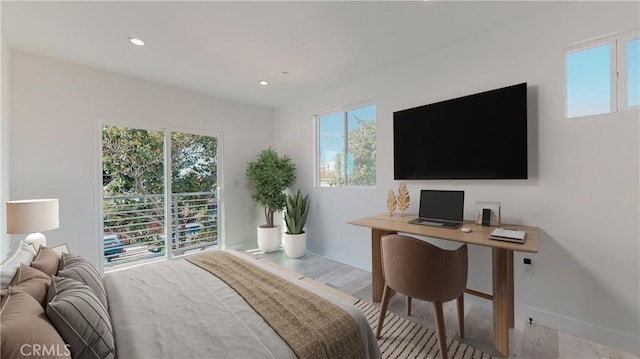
(440,209)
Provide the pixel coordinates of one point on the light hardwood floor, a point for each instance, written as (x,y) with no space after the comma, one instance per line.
(526,340)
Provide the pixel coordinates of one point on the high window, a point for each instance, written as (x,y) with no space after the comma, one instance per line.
(346,152)
(159,195)
(603,76)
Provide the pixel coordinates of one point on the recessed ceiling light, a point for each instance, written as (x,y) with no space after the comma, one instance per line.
(263,83)
(136,41)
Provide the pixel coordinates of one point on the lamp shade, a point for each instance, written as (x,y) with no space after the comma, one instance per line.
(32,215)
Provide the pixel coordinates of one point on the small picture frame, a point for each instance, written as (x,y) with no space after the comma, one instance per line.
(59,249)
(494,216)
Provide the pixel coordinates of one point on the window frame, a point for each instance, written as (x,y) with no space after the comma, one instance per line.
(622,64)
(345,122)
(618,71)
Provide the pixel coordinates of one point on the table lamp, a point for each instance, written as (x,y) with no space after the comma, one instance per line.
(32,216)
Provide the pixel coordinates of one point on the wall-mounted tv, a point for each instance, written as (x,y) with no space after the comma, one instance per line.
(480,136)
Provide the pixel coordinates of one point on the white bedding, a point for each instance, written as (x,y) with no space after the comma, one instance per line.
(174,309)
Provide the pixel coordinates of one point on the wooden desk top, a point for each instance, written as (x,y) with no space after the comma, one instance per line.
(479,234)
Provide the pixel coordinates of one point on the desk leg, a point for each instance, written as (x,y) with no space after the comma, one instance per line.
(377,279)
(502,299)
(510,299)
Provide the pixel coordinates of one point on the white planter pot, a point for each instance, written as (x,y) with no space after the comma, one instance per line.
(295,245)
(268,239)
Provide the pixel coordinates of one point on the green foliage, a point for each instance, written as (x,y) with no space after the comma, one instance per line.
(270,174)
(362,144)
(133,162)
(194,164)
(297,210)
(338,180)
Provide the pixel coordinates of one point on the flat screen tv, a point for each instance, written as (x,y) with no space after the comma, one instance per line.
(480,136)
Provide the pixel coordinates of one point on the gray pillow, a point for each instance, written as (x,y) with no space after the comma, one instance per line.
(81,319)
(80,269)
(68,258)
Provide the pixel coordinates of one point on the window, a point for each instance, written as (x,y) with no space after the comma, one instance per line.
(346,153)
(633,72)
(603,76)
(148,194)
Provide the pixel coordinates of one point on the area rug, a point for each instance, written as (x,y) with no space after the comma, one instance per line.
(404,339)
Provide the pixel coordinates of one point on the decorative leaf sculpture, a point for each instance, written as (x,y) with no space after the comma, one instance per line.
(403,198)
(391,202)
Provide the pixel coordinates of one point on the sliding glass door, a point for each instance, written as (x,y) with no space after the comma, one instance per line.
(159,192)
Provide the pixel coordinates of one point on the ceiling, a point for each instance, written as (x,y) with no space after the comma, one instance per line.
(225,48)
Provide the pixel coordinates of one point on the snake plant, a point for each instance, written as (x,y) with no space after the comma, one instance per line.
(297,210)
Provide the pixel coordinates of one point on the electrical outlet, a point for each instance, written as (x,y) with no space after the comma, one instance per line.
(527,267)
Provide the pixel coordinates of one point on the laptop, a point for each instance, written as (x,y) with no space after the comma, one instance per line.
(440,209)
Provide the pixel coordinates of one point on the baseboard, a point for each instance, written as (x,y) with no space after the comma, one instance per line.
(590,332)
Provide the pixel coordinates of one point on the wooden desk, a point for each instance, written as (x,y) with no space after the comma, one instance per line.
(502,258)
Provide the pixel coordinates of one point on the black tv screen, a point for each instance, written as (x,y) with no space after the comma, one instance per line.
(480,136)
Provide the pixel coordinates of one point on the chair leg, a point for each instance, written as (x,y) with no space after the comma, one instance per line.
(386,296)
(460,302)
(442,335)
(408,306)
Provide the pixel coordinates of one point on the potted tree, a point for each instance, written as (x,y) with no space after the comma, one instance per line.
(295,217)
(270,174)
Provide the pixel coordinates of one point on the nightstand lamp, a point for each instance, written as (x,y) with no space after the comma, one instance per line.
(32,216)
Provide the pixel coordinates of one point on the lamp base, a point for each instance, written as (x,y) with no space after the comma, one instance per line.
(36,239)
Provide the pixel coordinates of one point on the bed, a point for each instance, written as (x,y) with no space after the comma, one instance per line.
(185,311)
(179,309)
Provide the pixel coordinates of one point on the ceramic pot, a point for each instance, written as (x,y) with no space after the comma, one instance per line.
(295,245)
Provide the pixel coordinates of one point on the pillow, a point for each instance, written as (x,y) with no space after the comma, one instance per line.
(68,258)
(33,282)
(81,319)
(25,325)
(46,261)
(9,266)
(78,268)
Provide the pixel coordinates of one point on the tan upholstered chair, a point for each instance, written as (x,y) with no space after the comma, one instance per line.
(424,271)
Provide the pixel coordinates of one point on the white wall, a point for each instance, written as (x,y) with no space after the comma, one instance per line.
(4,146)
(583,183)
(56,112)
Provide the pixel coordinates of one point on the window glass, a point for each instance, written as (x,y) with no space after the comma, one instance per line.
(633,73)
(589,81)
(361,156)
(347,148)
(331,149)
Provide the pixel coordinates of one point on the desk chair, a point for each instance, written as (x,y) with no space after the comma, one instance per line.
(424,271)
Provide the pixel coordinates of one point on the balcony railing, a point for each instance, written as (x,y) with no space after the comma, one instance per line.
(134,225)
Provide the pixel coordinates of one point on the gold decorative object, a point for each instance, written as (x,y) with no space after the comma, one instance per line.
(403,199)
(391,202)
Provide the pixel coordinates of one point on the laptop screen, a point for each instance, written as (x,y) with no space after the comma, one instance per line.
(446,205)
